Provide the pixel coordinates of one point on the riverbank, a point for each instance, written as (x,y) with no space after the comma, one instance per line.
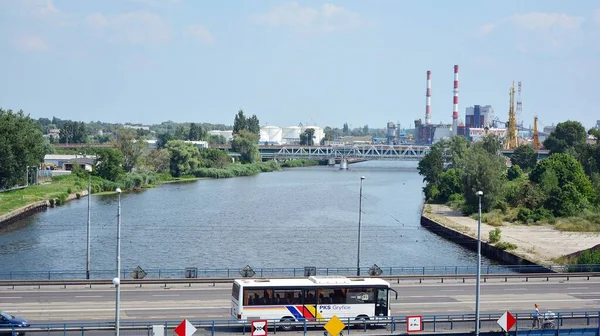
(540,244)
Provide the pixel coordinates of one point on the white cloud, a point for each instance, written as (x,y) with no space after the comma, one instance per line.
(327,17)
(486,29)
(30,43)
(199,32)
(135,27)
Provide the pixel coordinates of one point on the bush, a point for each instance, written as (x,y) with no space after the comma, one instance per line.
(494,236)
(514,172)
(506,246)
(493,218)
(533,216)
(78,195)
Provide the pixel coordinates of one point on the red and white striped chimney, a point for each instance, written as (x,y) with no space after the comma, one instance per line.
(455,110)
(428,99)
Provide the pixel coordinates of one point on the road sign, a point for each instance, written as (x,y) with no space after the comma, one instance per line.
(506,321)
(414,323)
(185,328)
(259,328)
(335,326)
(138,273)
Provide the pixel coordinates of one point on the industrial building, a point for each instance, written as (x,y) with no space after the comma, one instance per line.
(228,135)
(479,116)
(274,135)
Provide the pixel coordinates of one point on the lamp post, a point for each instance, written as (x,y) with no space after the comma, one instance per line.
(117,281)
(478,286)
(89,224)
(359,220)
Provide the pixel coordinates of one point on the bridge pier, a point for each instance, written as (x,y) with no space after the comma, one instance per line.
(331,162)
(344,164)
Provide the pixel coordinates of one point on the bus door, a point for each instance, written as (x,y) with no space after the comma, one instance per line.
(310,304)
(381,303)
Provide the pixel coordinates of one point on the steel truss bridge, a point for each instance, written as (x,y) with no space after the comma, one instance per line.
(354,152)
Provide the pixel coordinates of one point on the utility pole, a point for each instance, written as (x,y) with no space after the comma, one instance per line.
(89,225)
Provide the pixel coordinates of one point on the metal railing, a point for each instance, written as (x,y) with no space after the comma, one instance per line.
(588,321)
(391,278)
(297,272)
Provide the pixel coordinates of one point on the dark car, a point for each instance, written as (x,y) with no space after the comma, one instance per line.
(8,321)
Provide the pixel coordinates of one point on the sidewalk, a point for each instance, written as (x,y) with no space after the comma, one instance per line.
(541,244)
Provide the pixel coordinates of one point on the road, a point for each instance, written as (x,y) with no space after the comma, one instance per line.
(207,302)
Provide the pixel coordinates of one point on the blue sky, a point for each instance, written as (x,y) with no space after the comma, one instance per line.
(321,63)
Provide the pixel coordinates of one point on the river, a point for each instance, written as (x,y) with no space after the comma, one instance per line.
(290,218)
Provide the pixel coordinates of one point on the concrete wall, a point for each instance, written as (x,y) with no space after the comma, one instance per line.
(490,251)
(23,212)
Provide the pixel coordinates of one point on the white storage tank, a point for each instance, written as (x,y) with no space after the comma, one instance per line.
(228,135)
(291,134)
(319,134)
(270,135)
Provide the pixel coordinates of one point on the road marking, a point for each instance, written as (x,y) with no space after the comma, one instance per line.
(578,288)
(89,296)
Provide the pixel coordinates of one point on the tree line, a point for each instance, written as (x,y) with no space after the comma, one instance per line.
(566,184)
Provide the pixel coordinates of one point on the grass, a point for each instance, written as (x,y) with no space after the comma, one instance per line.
(506,246)
(60,187)
(587,222)
(299,163)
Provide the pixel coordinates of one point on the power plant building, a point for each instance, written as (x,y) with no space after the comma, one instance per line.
(478,116)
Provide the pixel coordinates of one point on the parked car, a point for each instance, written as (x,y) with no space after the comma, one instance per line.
(8,321)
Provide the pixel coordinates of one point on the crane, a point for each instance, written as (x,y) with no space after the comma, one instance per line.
(511,141)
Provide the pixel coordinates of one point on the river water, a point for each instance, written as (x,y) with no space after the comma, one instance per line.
(290,218)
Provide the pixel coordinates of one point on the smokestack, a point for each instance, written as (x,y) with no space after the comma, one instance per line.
(428,99)
(455,111)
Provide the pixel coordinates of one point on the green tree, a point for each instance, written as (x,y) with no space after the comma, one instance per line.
(450,184)
(514,172)
(109,164)
(158,160)
(365,130)
(21,145)
(185,157)
(162,139)
(196,132)
(215,157)
(491,143)
(182,132)
(458,147)
(240,123)
(483,172)
(327,135)
(73,132)
(307,138)
(345,129)
(131,147)
(568,135)
(253,125)
(246,144)
(216,140)
(432,164)
(525,157)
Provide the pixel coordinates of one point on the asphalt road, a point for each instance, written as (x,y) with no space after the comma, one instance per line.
(205,302)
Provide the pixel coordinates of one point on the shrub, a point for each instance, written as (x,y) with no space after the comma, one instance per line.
(494,236)
(506,246)
(69,190)
(78,195)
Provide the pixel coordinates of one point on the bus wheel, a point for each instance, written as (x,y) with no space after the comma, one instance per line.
(285,326)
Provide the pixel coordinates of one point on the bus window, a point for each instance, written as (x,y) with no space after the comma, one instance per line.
(310,297)
(332,296)
(288,296)
(360,295)
(235,292)
(258,297)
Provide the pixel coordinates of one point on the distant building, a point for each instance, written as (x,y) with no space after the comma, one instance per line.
(83,162)
(228,135)
(478,116)
(475,134)
(549,129)
(356,140)
(53,134)
(59,160)
(145,128)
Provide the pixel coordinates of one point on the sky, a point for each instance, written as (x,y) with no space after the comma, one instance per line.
(319,63)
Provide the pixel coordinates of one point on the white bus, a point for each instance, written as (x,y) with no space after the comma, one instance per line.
(313,299)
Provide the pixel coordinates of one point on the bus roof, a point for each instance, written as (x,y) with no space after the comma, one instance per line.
(313,281)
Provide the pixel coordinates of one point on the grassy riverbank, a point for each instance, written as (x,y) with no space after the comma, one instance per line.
(300,163)
(62,186)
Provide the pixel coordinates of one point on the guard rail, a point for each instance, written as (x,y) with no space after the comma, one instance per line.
(214,281)
(448,323)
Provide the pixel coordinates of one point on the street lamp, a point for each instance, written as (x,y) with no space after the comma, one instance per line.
(359,220)
(479,195)
(89,224)
(116,281)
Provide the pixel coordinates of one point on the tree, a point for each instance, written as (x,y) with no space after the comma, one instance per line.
(162,139)
(307,138)
(21,145)
(215,157)
(253,125)
(365,130)
(184,157)
(491,143)
(159,160)
(568,171)
(239,122)
(182,133)
(525,157)
(568,135)
(196,132)
(327,135)
(458,147)
(483,171)
(216,140)
(432,164)
(246,144)
(345,128)
(131,148)
(73,132)
(109,164)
